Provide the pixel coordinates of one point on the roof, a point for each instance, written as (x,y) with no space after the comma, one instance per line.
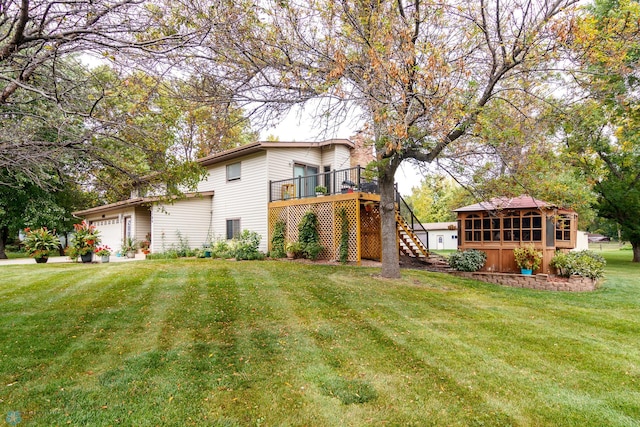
(498,203)
(433,226)
(137,201)
(260,146)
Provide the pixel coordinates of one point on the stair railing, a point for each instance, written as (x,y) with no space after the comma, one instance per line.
(407,213)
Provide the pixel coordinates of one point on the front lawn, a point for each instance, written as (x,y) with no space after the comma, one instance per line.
(273,343)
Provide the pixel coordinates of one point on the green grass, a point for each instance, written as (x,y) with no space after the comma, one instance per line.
(221,343)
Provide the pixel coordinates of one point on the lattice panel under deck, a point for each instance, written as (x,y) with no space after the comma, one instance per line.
(329,227)
(370,239)
(350,207)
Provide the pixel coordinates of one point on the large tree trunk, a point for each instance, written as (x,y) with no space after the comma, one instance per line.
(4,237)
(636,251)
(390,257)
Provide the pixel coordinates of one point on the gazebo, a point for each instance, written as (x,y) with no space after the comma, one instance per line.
(501,224)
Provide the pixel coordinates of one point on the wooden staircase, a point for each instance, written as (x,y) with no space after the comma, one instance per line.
(408,242)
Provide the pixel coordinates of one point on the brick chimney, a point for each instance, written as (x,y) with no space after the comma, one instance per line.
(364,151)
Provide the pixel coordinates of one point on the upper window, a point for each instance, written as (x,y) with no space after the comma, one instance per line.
(233,171)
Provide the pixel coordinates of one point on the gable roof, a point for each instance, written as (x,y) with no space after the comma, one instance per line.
(498,203)
(259,146)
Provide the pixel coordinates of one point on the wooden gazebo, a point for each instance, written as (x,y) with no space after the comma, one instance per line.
(499,225)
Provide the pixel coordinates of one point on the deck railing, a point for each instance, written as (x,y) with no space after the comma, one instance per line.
(336,182)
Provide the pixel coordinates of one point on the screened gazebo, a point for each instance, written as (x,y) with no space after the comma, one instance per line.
(501,224)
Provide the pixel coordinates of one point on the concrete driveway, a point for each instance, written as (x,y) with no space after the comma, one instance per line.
(64,259)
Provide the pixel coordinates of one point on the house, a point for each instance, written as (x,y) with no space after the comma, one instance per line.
(252,187)
(233,196)
(499,225)
(439,235)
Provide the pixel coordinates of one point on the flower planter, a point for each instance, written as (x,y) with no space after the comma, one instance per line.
(104,258)
(526,271)
(42,260)
(131,254)
(87,257)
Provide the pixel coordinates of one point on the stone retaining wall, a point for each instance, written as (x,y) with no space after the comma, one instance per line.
(544,282)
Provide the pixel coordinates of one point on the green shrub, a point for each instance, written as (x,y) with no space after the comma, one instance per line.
(579,263)
(278,240)
(469,260)
(246,246)
(344,236)
(221,249)
(308,236)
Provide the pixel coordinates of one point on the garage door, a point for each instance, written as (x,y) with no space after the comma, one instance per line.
(110,232)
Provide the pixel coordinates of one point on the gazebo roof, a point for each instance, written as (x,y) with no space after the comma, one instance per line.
(499,203)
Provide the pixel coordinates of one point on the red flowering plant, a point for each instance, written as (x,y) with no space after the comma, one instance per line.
(38,243)
(85,239)
(103,250)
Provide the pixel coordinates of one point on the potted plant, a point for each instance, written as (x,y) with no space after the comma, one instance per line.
(86,239)
(103,252)
(527,258)
(144,247)
(321,190)
(129,247)
(293,249)
(38,243)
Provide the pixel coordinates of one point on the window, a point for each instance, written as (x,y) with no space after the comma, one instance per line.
(233,171)
(563,228)
(483,228)
(531,227)
(233,228)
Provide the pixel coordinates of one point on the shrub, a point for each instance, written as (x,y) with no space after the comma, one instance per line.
(312,250)
(246,246)
(469,260)
(277,241)
(308,236)
(221,249)
(579,263)
(344,236)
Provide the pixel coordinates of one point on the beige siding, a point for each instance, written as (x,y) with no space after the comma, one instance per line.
(245,199)
(341,158)
(142,224)
(190,218)
(281,161)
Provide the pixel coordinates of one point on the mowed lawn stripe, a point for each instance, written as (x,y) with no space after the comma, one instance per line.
(278,343)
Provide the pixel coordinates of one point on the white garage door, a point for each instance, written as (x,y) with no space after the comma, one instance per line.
(110,232)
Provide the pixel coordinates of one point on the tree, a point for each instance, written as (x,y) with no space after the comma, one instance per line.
(419,74)
(24,204)
(435,199)
(602,131)
(45,86)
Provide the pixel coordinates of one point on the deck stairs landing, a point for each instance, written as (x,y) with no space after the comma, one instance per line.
(409,243)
